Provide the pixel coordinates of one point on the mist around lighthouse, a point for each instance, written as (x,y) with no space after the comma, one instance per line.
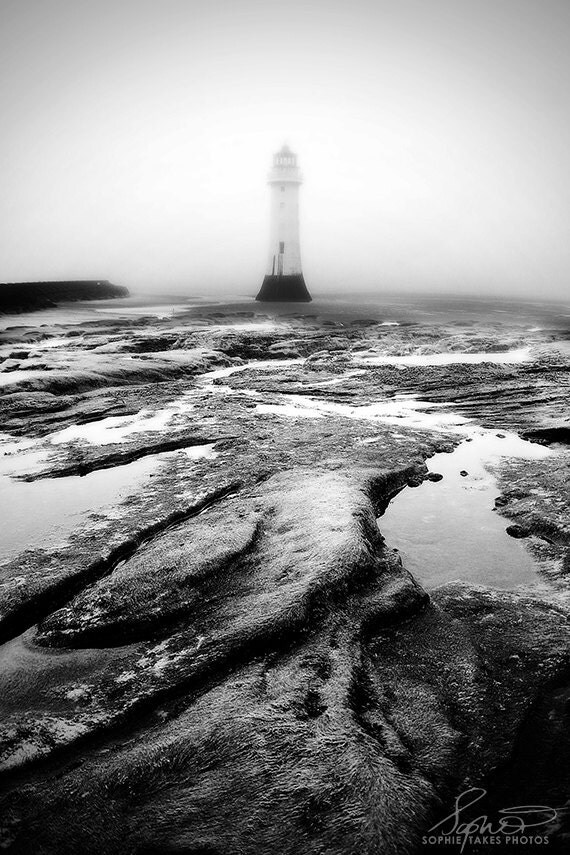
(284,467)
(284,280)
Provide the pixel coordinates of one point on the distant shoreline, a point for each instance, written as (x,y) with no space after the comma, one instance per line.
(21,297)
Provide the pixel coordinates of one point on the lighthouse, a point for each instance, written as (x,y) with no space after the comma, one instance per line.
(284,276)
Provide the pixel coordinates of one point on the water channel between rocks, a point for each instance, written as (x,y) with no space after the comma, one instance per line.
(46,512)
(445,530)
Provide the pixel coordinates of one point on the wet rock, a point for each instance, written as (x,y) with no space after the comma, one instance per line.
(267,581)
(434,476)
(285,353)
(464,473)
(166,580)
(80,465)
(297,534)
(352,734)
(232,659)
(39,581)
(517,531)
(73,374)
(535,499)
(547,436)
(151,344)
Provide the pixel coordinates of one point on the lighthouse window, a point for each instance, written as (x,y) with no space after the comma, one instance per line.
(282,205)
(281,246)
(282,188)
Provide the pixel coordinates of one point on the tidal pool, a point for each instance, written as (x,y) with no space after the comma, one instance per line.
(47,511)
(444,530)
(448,530)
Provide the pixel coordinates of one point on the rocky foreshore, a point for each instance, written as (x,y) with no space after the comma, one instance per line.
(231,657)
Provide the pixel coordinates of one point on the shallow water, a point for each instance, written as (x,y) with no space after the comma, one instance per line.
(248,326)
(168,310)
(402,410)
(448,530)
(117,429)
(509,357)
(9,377)
(77,314)
(263,365)
(46,512)
(444,530)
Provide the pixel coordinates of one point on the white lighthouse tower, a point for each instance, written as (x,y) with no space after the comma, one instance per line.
(284,276)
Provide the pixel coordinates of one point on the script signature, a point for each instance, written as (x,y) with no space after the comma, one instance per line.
(508,822)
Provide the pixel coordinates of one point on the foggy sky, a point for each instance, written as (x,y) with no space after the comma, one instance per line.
(433,136)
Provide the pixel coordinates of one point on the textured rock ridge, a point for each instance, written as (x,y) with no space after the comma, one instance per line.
(354,739)
(231,658)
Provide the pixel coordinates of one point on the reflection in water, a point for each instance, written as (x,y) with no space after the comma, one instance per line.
(445,530)
(448,530)
(46,512)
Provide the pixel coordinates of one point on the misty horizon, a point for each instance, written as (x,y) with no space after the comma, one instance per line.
(285,444)
(432,138)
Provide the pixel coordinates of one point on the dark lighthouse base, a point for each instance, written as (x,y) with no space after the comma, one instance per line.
(284,289)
